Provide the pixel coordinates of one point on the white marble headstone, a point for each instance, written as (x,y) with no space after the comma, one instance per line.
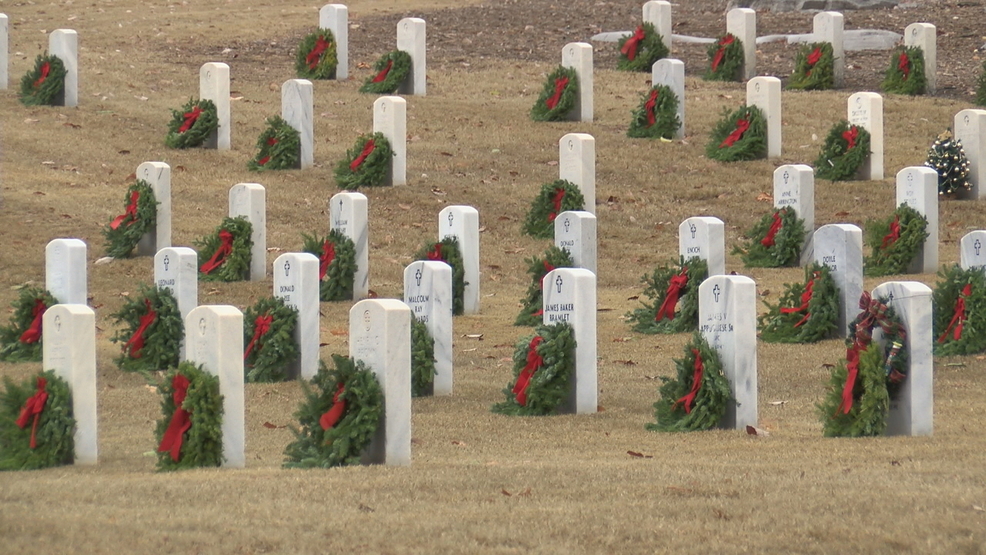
(69,348)
(794,186)
(176,269)
(742,23)
(214,86)
(658,14)
(577,163)
(704,237)
(840,247)
(925,37)
(866,111)
(348,214)
(569,295)
(250,200)
(829,27)
(296,281)
(380,336)
(411,39)
(64,43)
(970,128)
(671,73)
(575,232)
(972,250)
(297,108)
(390,118)
(578,56)
(462,222)
(335,17)
(65,270)
(4,51)
(765,93)
(917,187)
(428,291)
(158,176)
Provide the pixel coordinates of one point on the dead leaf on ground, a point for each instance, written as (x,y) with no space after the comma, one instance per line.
(765,197)
(778,403)
(270,426)
(626,362)
(637,455)
(754,431)
(339,331)
(505,492)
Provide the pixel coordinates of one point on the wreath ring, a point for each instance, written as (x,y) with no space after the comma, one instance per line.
(543,366)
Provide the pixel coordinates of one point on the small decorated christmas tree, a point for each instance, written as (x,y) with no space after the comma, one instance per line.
(947,158)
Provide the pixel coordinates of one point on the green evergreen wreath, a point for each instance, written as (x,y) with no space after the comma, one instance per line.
(895,242)
(20,341)
(678,312)
(726,58)
(140,214)
(366,164)
(685,406)
(268,339)
(391,70)
(741,135)
(153,331)
(806,312)
(198,422)
(981,87)
(775,241)
(543,366)
(814,68)
(422,359)
(947,157)
(537,268)
(225,254)
(42,85)
(959,303)
(639,51)
(192,125)
(906,72)
(555,197)
(447,250)
(52,429)
(843,152)
(657,115)
(337,264)
(317,57)
(338,417)
(278,147)
(557,98)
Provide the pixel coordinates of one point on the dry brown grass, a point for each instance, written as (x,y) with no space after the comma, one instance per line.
(479,482)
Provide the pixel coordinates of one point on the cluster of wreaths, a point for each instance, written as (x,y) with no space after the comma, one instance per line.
(657,115)
(843,152)
(391,71)
(20,341)
(814,68)
(139,216)
(639,51)
(192,125)
(697,398)
(905,75)
(895,242)
(738,136)
(537,268)
(225,254)
(959,302)
(42,85)
(278,147)
(806,312)
(268,336)
(336,264)
(447,250)
(543,366)
(673,293)
(317,57)
(553,199)
(366,164)
(725,59)
(36,424)
(189,435)
(557,98)
(152,333)
(775,241)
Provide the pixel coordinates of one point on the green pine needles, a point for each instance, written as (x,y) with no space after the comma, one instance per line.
(558,96)
(697,398)
(225,254)
(843,152)
(947,157)
(337,264)
(268,339)
(775,241)
(317,57)
(192,125)
(447,250)
(391,70)
(52,428)
(140,215)
(959,302)
(895,242)
(639,51)
(537,268)
(739,136)
(152,332)
(657,115)
(367,164)
(906,72)
(44,83)
(278,147)
(201,404)
(871,405)
(553,199)
(543,367)
(814,68)
(806,312)
(672,290)
(20,341)
(422,359)
(725,59)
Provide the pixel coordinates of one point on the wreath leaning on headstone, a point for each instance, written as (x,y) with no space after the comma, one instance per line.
(806,312)
(139,216)
(673,293)
(20,341)
(422,359)
(278,147)
(189,435)
(741,135)
(725,59)
(959,302)
(555,197)
(861,386)
(225,254)
(906,72)
(366,164)
(947,157)
(268,336)
(557,98)
(843,152)
(42,85)
(192,124)
(447,250)
(336,264)
(338,418)
(317,57)
(537,268)
(895,242)
(814,68)
(36,424)
(391,70)
(657,115)
(775,241)
(543,366)
(153,331)
(639,51)
(697,398)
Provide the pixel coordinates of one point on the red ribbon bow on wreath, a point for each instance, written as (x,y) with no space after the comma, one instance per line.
(650,106)
(689,399)
(383,72)
(721,53)
(181,419)
(629,48)
(218,257)
(560,85)
(742,125)
(136,342)
(131,212)
(813,58)
(436,253)
(328,255)
(45,70)
(805,301)
(904,65)
(368,149)
(33,333)
(334,414)
(849,136)
(315,56)
(892,237)
(675,286)
(775,226)
(534,362)
(260,328)
(190,119)
(958,315)
(556,202)
(34,406)
(263,161)
(547,270)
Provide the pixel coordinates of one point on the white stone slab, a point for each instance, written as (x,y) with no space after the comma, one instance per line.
(176,269)
(866,111)
(411,39)
(671,73)
(727,318)
(972,250)
(69,348)
(704,237)
(296,281)
(569,295)
(765,93)
(380,336)
(214,339)
(335,17)
(214,86)
(578,56)
(912,411)
(925,37)
(428,291)
(348,214)
(298,109)
(64,43)
(575,232)
(158,175)
(4,51)
(970,128)
(658,14)
(840,247)
(65,270)
(794,186)
(577,163)
(462,222)
(742,23)
(917,186)
(250,200)
(390,118)
(830,27)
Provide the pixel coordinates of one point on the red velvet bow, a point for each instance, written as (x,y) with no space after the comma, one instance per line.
(815,55)
(33,333)
(687,400)
(263,161)
(958,315)
(742,125)
(849,136)
(534,361)
(675,285)
(136,341)
(367,150)
(904,65)
(334,414)
(34,406)
(328,255)
(315,56)
(131,212)
(775,226)
(260,327)
(805,300)
(181,420)
(852,366)
(190,119)
(436,253)
(629,48)
(891,238)
(218,257)
(723,43)
(383,72)
(556,202)
(560,85)
(650,105)
(45,70)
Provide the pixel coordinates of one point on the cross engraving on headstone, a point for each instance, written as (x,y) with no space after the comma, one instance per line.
(715,292)
(417,277)
(58,323)
(287,268)
(567,224)
(167,261)
(451,217)
(787,175)
(693,229)
(977,246)
(202,326)
(558,283)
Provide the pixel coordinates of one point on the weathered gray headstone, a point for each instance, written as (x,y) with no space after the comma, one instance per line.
(704,237)
(250,200)
(917,186)
(575,232)
(570,296)
(578,56)
(390,119)
(577,163)
(866,111)
(925,37)
(742,23)
(428,291)
(765,93)
(348,214)
(64,43)
(335,17)
(829,27)
(411,39)
(671,73)
(970,128)
(296,281)
(972,251)
(794,186)
(840,247)
(158,175)
(298,109)
(176,269)
(214,86)
(462,222)
(65,270)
